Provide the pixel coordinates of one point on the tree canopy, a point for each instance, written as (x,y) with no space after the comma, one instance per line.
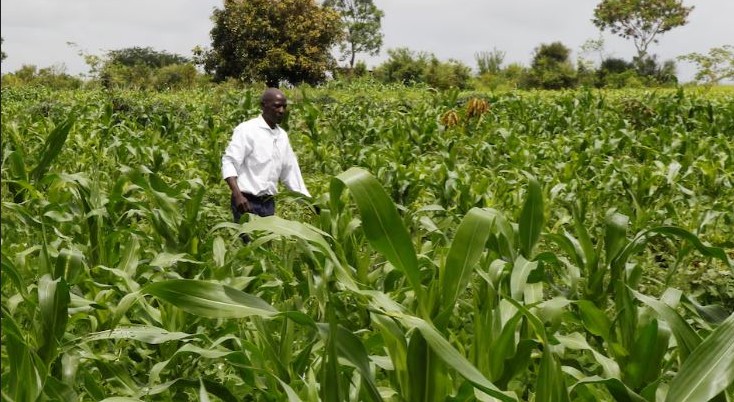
(361,21)
(641,20)
(146,56)
(713,67)
(263,40)
(551,67)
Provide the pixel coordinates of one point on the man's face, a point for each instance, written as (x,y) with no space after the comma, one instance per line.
(274,109)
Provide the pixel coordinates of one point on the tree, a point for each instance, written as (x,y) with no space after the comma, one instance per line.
(641,20)
(551,67)
(490,62)
(404,66)
(264,40)
(361,21)
(656,73)
(615,65)
(713,67)
(133,56)
(3,56)
(408,67)
(593,46)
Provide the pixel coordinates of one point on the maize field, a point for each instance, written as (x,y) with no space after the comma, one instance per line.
(516,246)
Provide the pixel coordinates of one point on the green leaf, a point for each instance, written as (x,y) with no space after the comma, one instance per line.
(643,237)
(452,357)
(53,145)
(709,369)
(549,385)
(645,360)
(352,349)
(615,386)
(518,279)
(208,299)
(685,335)
(504,346)
(467,247)
(397,348)
(130,257)
(24,376)
(53,300)
(595,320)
(577,341)
(382,224)
(585,246)
(531,218)
(615,237)
(298,230)
(166,260)
(219,251)
(69,265)
(142,333)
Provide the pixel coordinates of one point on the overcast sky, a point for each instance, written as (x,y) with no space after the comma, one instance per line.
(39,32)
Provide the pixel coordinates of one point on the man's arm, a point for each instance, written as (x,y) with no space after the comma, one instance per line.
(291,173)
(240,201)
(234,154)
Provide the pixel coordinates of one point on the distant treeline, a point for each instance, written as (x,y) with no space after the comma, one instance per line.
(551,68)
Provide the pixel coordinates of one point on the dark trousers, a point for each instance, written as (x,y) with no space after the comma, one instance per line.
(262,206)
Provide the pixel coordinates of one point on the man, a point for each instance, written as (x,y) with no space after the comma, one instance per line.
(259,156)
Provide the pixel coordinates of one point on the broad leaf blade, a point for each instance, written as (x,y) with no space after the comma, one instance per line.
(208,299)
(143,333)
(52,147)
(382,224)
(531,218)
(466,248)
(709,369)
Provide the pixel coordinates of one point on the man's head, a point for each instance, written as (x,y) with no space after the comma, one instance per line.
(273,104)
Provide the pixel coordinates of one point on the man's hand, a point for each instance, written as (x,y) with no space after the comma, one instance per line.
(241,203)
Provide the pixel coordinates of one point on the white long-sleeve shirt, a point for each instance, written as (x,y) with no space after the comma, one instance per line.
(260,157)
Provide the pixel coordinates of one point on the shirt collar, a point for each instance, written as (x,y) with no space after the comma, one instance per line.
(262,123)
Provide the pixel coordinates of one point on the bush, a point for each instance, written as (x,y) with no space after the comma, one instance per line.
(551,68)
(51,77)
(451,74)
(406,67)
(175,76)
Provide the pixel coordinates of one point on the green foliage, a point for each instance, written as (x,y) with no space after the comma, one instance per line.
(176,76)
(541,247)
(490,62)
(51,77)
(713,67)
(265,41)
(403,66)
(142,69)
(619,73)
(143,77)
(655,73)
(135,56)
(551,68)
(640,20)
(361,21)
(407,67)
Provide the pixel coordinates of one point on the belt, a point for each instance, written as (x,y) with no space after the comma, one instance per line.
(258,198)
